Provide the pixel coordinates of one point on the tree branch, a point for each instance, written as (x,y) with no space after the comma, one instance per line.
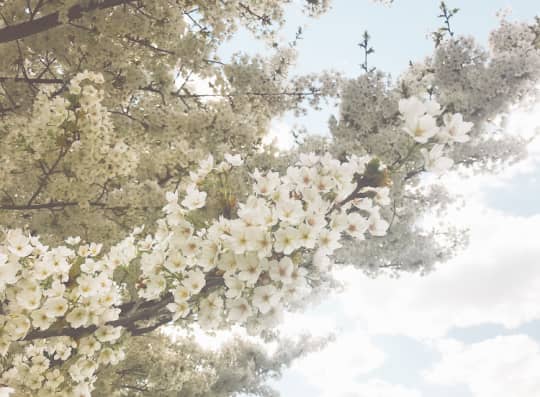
(33,80)
(50,21)
(128,317)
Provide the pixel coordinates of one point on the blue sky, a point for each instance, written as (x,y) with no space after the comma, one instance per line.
(470,329)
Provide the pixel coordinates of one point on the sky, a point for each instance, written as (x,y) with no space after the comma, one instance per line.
(472,327)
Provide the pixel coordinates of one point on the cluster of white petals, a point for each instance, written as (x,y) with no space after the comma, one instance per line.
(69,308)
(433,131)
(249,233)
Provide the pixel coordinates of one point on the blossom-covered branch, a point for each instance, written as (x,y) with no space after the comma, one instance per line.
(243,265)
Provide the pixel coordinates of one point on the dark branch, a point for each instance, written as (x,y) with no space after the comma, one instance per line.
(33,80)
(50,21)
(52,205)
(128,317)
(264,19)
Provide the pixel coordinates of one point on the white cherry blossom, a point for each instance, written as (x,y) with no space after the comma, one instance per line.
(194,198)
(265,298)
(434,161)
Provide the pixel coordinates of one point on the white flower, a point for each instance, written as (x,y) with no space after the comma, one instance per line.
(382,196)
(106,356)
(213,302)
(181,294)
(175,263)
(88,345)
(234,287)
(81,370)
(339,221)
(272,318)
(282,270)
(227,263)
(422,128)
(78,317)
(175,214)
(250,268)
(329,241)
(180,309)
(95,249)
(57,261)
(194,198)
(239,310)
(108,333)
(254,212)
(243,238)
(56,289)
(324,183)
(206,165)
(377,225)
(308,159)
(434,161)
(316,221)
(307,236)
(191,247)
(290,211)
(455,129)
(287,240)
(235,160)
(209,319)
(265,298)
(357,225)
(41,319)
(433,108)
(56,307)
(8,271)
(263,243)
(155,285)
(17,326)
(87,286)
(321,261)
(298,276)
(29,295)
(73,240)
(18,243)
(411,108)
(265,185)
(194,281)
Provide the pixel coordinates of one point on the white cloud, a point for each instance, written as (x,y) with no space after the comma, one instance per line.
(499,367)
(379,388)
(333,370)
(496,280)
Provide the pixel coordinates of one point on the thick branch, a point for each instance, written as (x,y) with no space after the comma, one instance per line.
(361,182)
(128,318)
(50,21)
(253,93)
(145,312)
(58,205)
(33,80)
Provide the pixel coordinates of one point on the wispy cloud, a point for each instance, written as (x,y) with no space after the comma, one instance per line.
(498,367)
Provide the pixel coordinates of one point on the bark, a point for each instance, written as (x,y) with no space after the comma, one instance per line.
(130,314)
(50,21)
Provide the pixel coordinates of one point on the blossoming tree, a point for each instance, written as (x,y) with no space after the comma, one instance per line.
(131,200)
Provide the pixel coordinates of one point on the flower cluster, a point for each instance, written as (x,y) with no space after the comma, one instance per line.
(421,122)
(46,288)
(264,256)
